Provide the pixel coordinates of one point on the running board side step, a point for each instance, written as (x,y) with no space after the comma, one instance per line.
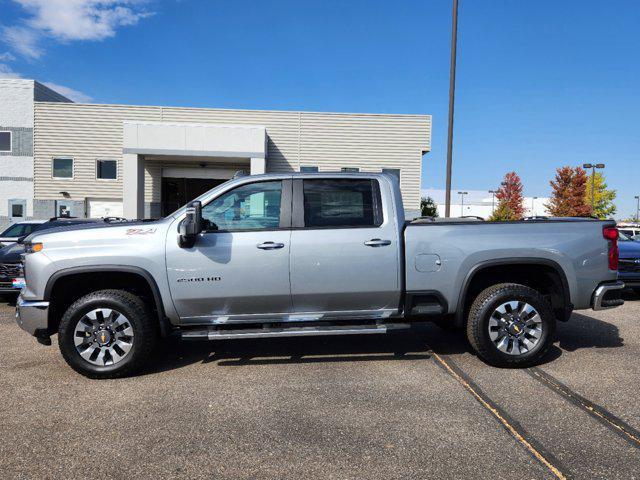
(276,332)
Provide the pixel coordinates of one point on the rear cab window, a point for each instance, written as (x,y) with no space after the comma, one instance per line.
(341,203)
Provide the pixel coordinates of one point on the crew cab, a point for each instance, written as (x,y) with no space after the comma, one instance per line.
(309,254)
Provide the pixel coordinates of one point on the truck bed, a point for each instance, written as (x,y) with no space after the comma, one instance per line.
(440,256)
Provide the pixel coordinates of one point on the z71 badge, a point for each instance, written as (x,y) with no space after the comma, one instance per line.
(140,231)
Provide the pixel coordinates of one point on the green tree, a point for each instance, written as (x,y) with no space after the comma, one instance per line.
(428,207)
(603,206)
(509,197)
(502,213)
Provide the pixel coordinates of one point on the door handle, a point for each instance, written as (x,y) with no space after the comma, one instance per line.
(376,242)
(270,245)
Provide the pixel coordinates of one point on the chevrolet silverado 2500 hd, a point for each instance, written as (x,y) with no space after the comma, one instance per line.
(309,254)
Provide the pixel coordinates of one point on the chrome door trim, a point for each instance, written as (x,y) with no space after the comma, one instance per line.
(290,317)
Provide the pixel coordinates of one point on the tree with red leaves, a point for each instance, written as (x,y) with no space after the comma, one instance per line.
(509,197)
(569,193)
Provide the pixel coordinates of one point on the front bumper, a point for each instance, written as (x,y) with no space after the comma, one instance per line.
(608,295)
(9,272)
(33,316)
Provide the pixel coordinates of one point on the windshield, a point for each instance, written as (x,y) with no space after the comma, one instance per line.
(623,238)
(19,230)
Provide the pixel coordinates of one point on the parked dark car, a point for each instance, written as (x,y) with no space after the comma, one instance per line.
(629,262)
(10,255)
(17,230)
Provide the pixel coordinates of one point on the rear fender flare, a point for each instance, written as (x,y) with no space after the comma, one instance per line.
(477,268)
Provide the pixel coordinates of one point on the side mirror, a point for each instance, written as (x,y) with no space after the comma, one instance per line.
(191,226)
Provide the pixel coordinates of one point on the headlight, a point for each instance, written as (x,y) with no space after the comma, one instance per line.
(33,247)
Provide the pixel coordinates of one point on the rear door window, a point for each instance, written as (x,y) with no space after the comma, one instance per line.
(337,203)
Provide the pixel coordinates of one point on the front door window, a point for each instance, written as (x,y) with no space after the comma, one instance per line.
(255,206)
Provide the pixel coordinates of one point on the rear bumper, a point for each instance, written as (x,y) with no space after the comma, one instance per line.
(607,295)
(33,316)
(630,279)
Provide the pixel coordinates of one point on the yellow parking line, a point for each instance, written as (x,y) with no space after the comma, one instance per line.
(607,418)
(500,417)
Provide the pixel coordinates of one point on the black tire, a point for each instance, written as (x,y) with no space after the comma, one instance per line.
(145,333)
(480,314)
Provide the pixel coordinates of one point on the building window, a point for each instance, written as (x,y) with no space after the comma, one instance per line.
(17,210)
(106,169)
(392,171)
(308,169)
(350,169)
(5,141)
(62,168)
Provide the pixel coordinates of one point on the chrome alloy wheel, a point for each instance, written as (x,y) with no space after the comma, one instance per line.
(103,337)
(515,328)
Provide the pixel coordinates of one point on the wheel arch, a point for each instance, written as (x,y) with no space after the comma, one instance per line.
(87,271)
(563,305)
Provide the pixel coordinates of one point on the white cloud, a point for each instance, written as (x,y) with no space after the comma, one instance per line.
(70,93)
(67,20)
(22,40)
(7,72)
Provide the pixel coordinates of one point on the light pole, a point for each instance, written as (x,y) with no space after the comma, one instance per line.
(493,200)
(593,167)
(637,207)
(533,206)
(462,194)
(452,94)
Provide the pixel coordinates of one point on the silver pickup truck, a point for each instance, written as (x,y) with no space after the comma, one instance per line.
(309,254)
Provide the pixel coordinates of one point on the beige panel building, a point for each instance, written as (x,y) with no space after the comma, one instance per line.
(135,161)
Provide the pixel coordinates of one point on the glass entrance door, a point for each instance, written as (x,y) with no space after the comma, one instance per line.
(176,192)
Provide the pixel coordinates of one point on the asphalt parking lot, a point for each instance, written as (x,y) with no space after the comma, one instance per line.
(419,406)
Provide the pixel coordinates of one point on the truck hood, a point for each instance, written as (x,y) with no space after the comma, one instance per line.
(74,231)
(86,237)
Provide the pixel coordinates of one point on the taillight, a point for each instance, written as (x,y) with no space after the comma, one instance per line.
(612,235)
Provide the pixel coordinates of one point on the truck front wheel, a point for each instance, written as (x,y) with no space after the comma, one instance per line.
(107,334)
(510,325)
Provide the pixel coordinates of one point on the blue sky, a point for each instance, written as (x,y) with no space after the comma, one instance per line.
(540,84)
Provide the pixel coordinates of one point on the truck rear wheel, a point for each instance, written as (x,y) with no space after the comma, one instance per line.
(510,325)
(107,334)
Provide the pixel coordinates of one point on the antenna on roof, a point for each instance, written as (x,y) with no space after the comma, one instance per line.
(240,173)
